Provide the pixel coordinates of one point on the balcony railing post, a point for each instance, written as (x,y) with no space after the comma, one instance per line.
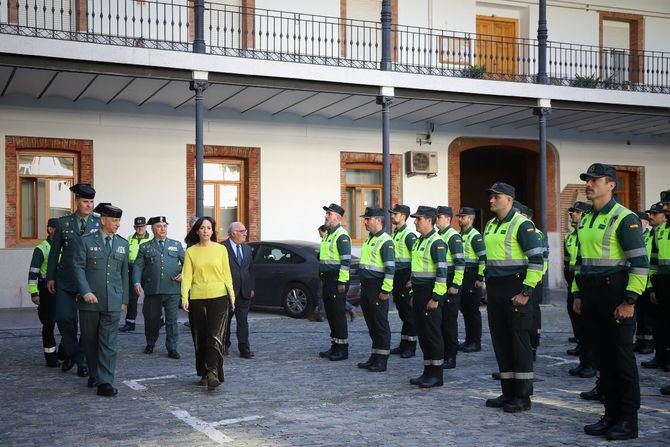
(199,41)
(542,36)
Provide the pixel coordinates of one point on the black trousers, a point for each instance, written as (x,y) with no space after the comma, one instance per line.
(450,320)
(645,318)
(46,311)
(131,309)
(574,316)
(662,333)
(510,333)
(209,318)
(376,313)
(578,327)
(401,299)
(470,299)
(241,313)
(428,328)
(612,342)
(67,319)
(536,314)
(334,304)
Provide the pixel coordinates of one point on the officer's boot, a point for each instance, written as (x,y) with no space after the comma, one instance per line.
(341,352)
(61,352)
(623,429)
(52,359)
(379,363)
(434,377)
(506,396)
(400,349)
(410,350)
(329,352)
(128,327)
(366,364)
(421,378)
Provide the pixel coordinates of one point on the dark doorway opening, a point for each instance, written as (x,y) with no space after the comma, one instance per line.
(482,166)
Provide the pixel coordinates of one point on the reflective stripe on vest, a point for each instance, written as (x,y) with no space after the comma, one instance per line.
(134,246)
(45,248)
(468,252)
(371,258)
(502,247)
(602,248)
(328,253)
(445,237)
(402,253)
(422,262)
(571,248)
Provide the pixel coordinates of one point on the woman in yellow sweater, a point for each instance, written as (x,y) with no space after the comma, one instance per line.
(207,295)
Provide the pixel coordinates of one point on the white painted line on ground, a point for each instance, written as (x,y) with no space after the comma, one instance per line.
(563,404)
(235,420)
(135,384)
(203,427)
(561,360)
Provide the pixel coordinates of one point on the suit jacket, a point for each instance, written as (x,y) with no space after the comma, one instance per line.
(65,243)
(102,272)
(155,269)
(243,279)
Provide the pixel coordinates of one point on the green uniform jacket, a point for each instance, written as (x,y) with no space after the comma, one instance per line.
(101,272)
(66,241)
(155,268)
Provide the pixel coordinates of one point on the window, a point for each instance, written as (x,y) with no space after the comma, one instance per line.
(623,192)
(363,188)
(43,192)
(268,254)
(223,184)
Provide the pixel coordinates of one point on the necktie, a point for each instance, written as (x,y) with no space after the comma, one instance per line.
(82,226)
(108,243)
(239,254)
(161,243)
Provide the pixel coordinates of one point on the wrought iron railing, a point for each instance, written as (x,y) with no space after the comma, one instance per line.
(315,39)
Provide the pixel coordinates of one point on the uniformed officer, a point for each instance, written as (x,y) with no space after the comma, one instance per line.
(514,266)
(334,261)
(157,275)
(403,242)
(429,288)
(101,273)
(661,293)
(474,252)
(40,296)
(60,272)
(139,237)
(585,367)
(611,273)
(455,270)
(644,343)
(657,222)
(376,269)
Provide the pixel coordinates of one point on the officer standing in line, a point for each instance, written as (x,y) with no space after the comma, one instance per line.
(644,331)
(157,275)
(334,261)
(611,273)
(428,281)
(455,270)
(139,237)
(661,281)
(40,296)
(474,252)
(376,270)
(514,266)
(403,242)
(658,221)
(60,272)
(585,367)
(101,272)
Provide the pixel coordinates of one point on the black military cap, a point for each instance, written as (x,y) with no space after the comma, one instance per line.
(157,219)
(467,211)
(53,223)
(665,196)
(425,211)
(597,170)
(528,212)
(445,211)
(580,206)
(518,205)
(334,207)
(140,221)
(501,188)
(106,209)
(402,209)
(373,211)
(656,208)
(643,215)
(83,190)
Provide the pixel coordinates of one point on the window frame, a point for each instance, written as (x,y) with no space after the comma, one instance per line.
(241,191)
(370,166)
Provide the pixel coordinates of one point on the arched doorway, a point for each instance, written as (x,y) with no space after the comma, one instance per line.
(476,163)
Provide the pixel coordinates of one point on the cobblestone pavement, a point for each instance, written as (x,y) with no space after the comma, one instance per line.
(289,396)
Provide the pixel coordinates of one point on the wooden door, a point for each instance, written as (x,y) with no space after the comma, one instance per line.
(497,47)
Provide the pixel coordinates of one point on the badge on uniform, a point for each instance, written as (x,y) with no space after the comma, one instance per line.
(67,224)
(121,250)
(172,248)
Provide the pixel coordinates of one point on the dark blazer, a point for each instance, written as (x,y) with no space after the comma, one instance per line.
(243,279)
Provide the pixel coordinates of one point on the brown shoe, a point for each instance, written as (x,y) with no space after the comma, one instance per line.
(212,382)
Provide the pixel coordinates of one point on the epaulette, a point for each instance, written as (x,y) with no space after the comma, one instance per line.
(121,237)
(94,214)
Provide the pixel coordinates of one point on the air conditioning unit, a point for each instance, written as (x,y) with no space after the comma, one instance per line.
(421,162)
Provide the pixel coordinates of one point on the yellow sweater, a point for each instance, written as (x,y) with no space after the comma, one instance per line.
(206,274)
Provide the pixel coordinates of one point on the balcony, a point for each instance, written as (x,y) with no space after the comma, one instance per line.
(312,39)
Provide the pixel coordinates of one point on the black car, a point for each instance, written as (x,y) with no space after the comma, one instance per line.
(287,275)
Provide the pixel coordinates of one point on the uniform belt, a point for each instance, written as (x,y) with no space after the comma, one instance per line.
(496,279)
(599,280)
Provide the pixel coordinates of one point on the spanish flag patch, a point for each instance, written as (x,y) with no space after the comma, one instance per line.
(530,230)
(440,247)
(633,225)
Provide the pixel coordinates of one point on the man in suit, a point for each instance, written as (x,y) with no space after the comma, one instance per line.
(101,274)
(157,275)
(60,272)
(239,257)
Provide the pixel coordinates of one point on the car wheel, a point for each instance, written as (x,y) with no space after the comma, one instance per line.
(297,301)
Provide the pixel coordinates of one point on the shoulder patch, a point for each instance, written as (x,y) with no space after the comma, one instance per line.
(440,247)
(530,230)
(121,237)
(634,225)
